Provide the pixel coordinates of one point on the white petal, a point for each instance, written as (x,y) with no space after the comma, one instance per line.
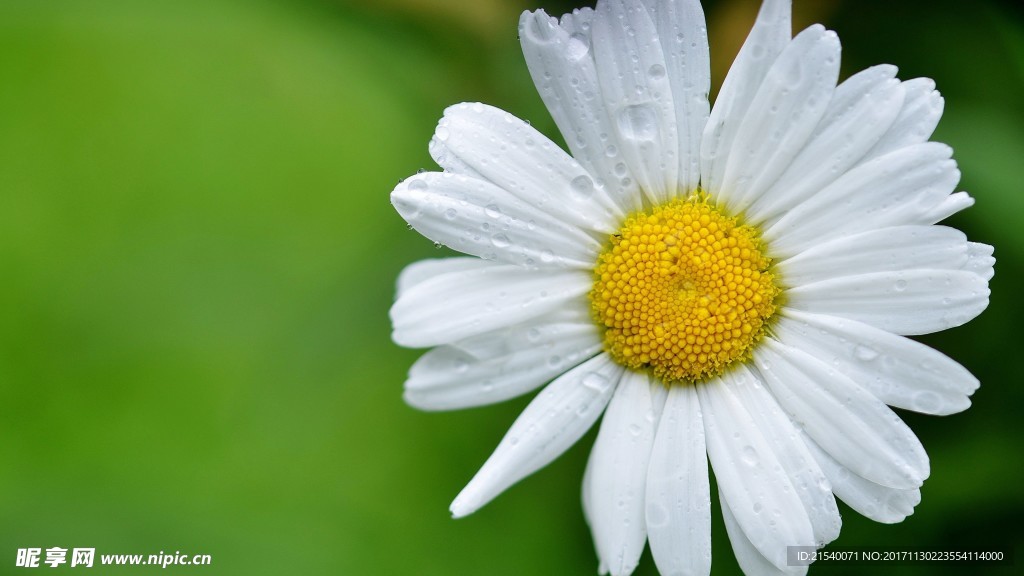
(882,250)
(636,92)
(751,560)
(947,207)
(516,157)
(769,36)
(750,476)
(910,302)
(856,428)
(797,462)
(980,260)
(617,475)
(478,218)
(447,159)
(881,504)
(457,305)
(553,422)
(423,270)
(861,110)
(522,358)
(899,371)
(561,61)
(918,118)
(684,40)
(678,489)
(782,116)
(896,189)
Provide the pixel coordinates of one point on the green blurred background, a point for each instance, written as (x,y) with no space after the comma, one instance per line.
(197,256)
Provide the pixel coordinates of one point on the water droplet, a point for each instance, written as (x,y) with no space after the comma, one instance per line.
(450,213)
(656,71)
(758,507)
(418,184)
(638,122)
(749,456)
(554,361)
(492,211)
(582,186)
(864,353)
(595,382)
(500,241)
(635,430)
(532,334)
(900,285)
(547,256)
(442,133)
(438,245)
(611,151)
(927,402)
(578,47)
(461,365)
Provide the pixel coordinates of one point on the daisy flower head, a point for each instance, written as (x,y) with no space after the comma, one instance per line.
(731,285)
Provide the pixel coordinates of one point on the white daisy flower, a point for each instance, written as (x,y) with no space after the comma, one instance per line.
(731,285)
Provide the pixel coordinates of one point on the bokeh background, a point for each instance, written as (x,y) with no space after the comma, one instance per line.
(197,256)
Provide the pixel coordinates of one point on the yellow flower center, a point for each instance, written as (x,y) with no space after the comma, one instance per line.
(684,291)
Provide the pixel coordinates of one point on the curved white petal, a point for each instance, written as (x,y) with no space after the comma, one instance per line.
(946,207)
(516,157)
(918,118)
(880,503)
(749,474)
(561,61)
(553,422)
(447,159)
(896,189)
(684,40)
(797,462)
(782,116)
(881,250)
(909,302)
(861,110)
(899,371)
(517,360)
(678,489)
(769,36)
(459,304)
(632,73)
(423,270)
(980,260)
(750,559)
(856,428)
(478,218)
(617,475)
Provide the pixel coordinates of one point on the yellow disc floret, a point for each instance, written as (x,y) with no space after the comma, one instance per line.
(684,291)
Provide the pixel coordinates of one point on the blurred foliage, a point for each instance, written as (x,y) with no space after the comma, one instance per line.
(198,257)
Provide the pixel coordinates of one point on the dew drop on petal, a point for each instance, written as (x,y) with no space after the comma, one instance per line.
(749,456)
(927,402)
(582,186)
(638,122)
(500,241)
(864,353)
(578,47)
(595,381)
